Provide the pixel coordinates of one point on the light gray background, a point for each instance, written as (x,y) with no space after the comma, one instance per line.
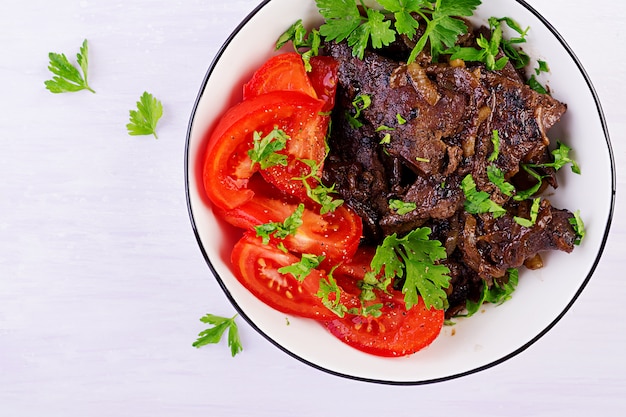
(101,280)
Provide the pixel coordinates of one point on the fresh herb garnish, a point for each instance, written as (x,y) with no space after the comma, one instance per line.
(301,39)
(495,140)
(534,211)
(496,176)
(401,207)
(542,66)
(360,103)
(414,258)
(330,294)
(143,121)
(477,202)
(281,230)
(300,270)
(344,20)
(67,77)
(264,150)
(579,227)
(497,294)
(489,49)
(215,333)
(320,194)
(536,85)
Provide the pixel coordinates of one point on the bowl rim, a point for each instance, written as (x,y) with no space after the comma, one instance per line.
(242,313)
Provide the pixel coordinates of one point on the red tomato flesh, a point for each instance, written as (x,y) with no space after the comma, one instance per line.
(256,267)
(228,167)
(335,235)
(397,332)
(284,72)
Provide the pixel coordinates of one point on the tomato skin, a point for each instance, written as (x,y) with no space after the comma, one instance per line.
(255,265)
(324,78)
(227,167)
(335,235)
(284,72)
(397,332)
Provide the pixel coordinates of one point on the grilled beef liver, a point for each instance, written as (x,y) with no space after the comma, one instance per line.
(426,128)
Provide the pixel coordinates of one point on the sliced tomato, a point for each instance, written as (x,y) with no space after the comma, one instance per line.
(397,332)
(324,76)
(284,72)
(256,267)
(227,167)
(335,235)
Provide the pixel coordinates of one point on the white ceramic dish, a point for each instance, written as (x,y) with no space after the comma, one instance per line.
(483,340)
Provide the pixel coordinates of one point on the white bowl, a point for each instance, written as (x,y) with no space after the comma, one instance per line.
(473,344)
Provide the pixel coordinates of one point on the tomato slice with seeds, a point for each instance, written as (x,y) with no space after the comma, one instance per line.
(227,167)
(397,332)
(256,266)
(335,235)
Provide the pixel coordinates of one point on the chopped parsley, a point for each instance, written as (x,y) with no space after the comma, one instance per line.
(301,39)
(477,202)
(320,194)
(281,230)
(265,149)
(534,211)
(497,294)
(401,207)
(300,270)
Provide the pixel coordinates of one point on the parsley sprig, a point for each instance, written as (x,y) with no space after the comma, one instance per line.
(68,78)
(345,21)
(214,334)
(143,121)
(413,258)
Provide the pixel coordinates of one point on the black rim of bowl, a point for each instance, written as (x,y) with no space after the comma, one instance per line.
(187,166)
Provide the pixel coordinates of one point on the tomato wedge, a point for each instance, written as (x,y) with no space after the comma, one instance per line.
(284,72)
(227,167)
(324,76)
(397,332)
(256,267)
(335,235)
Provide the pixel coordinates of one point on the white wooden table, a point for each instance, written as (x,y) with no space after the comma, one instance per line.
(101,279)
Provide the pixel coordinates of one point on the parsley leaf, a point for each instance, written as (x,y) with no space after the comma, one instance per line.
(495,140)
(264,150)
(536,85)
(215,333)
(579,227)
(443,27)
(143,121)
(300,270)
(477,202)
(281,230)
(301,38)
(534,211)
(413,257)
(343,20)
(497,294)
(401,207)
(330,294)
(67,77)
(496,176)
(320,194)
